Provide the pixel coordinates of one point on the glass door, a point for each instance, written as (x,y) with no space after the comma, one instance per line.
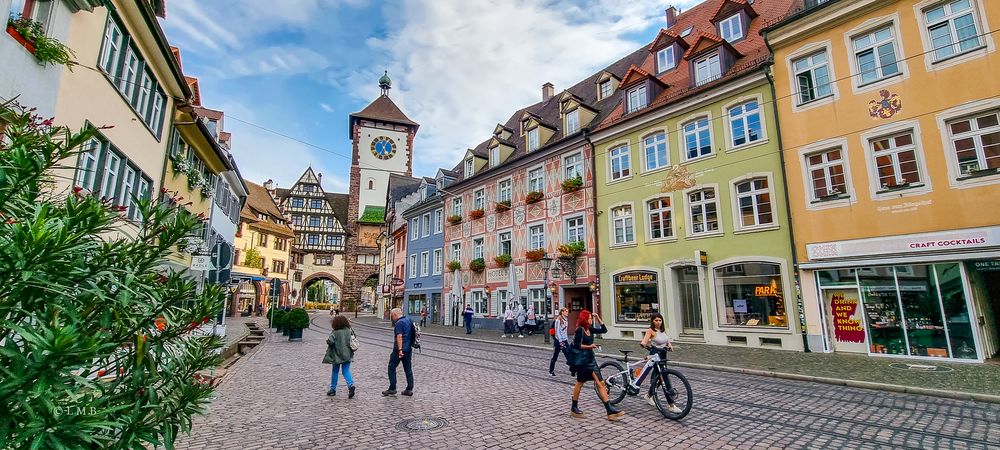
(690,299)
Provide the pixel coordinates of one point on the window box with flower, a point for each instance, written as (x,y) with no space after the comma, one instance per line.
(503,205)
(31,35)
(571,250)
(572,185)
(502,260)
(476,214)
(534,197)
(454,266)
(534,255)
(455,219)
(477,265)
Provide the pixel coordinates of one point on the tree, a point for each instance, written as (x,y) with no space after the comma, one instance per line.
(253,259)
(96,342)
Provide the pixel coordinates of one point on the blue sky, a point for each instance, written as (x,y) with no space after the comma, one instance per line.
(300,67)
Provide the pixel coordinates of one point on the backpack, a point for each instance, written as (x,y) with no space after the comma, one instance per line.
(415,337)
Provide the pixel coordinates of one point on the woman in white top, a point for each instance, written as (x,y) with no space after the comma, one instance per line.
(508,322)
(657,341)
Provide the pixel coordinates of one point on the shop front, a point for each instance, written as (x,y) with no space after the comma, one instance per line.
(917,303)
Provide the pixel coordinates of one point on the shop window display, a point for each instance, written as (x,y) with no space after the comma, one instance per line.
(636,296)
(750,294)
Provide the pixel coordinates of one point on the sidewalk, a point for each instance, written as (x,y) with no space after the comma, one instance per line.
(980,382)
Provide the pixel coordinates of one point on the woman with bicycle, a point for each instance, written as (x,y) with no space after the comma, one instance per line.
(657,342)
(585,363)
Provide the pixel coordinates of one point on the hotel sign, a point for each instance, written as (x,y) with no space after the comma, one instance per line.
(968,239)
(636,277)
(500,274)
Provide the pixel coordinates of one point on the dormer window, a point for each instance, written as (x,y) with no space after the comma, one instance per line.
(707,68)
(533,141)
(686,31)
(469,167)
(572,122)
(605,89)
(665,59)
(731,28)
(637,99)
(494,156)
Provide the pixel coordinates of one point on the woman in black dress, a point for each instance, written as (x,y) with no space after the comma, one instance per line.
(586,364)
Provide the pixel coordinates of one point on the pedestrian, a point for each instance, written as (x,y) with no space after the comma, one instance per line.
(338,353)
(334,312)
(423,316)
(586,363)
(467,318)
(531,320)
(508,322)
(402,351)
(521,318)
(560,343)
(657,341)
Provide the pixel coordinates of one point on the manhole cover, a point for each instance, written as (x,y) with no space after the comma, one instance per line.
(920,367)
(421,424)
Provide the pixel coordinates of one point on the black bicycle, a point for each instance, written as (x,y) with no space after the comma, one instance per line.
(672,391)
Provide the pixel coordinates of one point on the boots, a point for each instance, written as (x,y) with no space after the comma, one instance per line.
(613,413)
(574,411)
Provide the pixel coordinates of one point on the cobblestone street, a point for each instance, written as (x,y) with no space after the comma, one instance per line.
(494,396)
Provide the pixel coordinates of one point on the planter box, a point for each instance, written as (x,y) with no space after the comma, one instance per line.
(20,39)
(295,335)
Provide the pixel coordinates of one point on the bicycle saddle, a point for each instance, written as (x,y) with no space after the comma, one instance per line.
(626,352)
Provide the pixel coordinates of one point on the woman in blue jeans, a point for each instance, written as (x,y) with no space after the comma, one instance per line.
(338,353)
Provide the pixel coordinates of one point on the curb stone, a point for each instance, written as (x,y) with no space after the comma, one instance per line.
(956,395)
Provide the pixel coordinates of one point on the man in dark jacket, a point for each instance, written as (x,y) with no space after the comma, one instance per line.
(467,318)
(402,351)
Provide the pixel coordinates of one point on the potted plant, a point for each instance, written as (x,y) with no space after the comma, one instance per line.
(534,197)
(455,219)
(277,318)
(476,214)
(502,260)
(454,266)
(295,321)
(571,250)
(501,206)
(32,36)
(572,184)
(534,255)
(477,265)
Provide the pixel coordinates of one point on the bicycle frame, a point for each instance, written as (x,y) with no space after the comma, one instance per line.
(648,364)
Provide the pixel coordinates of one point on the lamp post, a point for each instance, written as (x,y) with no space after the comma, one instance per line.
(487,291)
(546,265)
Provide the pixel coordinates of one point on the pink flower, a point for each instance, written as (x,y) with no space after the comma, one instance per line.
(47,122)
(77,189)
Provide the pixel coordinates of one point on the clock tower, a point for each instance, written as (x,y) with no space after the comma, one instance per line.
(382,138)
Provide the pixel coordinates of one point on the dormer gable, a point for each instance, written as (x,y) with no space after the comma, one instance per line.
(732,19)
(667,49)
(639,88)
(574,112)
(536,131)
(472,164)
(499,150)
(502,132)
(607,84)
(710,57)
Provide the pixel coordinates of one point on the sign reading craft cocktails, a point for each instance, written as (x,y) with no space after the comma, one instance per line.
(972,238)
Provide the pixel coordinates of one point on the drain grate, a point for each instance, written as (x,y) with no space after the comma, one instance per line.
(426,424)
(920,367)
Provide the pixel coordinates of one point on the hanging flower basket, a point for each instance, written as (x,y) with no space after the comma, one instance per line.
(534,255)
(502,206)
(455,220)
(454,266)
(477,265)
(572,184)
(31,35)
(571,250)
(534,197)
(502,260)
(476,214)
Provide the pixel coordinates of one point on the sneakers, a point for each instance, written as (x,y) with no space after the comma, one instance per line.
(552,373)
(674,409)
(388,392)
(350,392)
(520,335)
(503,336)
(616,416)
(331,393)
(650,400)
(408,393)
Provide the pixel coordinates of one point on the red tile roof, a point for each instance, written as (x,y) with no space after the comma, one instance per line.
(384,109)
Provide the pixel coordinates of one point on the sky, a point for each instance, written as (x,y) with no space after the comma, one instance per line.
(288,78)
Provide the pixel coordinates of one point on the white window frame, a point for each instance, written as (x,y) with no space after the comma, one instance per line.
(875,188)
(600,89)
(734,25)
(622,156)
(754,194)
(414,228)
(572,122)
(534,139)
(478,250)
(689,215)
(425,263)
(110,177)
(666,59)
(956,178)
(505,190)
(536,236)
(129,179)
(156,115)
(495,156)
(425,224)
(874,46)
(577,166)
(949,20)
(456,251)
(470,167)
(684,133)
(711,64)
(744,118)
(869,27)
(577,233)
(636,99)
(456,206)
(986,43)
(145,94)
(536,179)
(652,141)
(438,220)
(649,212)
(130,73)
(625,222)
(413,265)
(825,166)
(86,175)
(509,240)
(811,66)
(479,199)
(478,298)
(438,262)
(112,48)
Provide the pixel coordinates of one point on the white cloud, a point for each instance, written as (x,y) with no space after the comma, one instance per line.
(326,107)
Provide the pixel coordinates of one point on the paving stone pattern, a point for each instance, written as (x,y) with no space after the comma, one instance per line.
(496,396)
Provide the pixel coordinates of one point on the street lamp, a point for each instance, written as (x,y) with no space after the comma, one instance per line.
(546,265)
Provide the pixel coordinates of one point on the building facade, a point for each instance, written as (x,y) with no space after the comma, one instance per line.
(424,252)
(690,187)
(262,255)
(897,252)
(401,194)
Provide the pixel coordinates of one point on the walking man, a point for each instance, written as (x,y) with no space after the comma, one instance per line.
(402,351)
(423,316)
(561,342)
(467,317)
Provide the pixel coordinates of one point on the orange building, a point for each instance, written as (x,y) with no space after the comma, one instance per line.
(889,115)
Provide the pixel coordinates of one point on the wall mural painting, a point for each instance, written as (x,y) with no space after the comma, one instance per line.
(886,106)
(677,179)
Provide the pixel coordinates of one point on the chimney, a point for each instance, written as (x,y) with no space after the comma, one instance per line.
(671,16)
(548,90)
(269,184)
(320,176)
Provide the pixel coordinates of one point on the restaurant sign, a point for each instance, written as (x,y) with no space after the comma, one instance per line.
(968,239)
(635,277)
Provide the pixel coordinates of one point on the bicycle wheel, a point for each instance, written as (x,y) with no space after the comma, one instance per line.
(616,378)
(672,388)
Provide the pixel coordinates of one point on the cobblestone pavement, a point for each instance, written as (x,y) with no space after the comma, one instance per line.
(495,396)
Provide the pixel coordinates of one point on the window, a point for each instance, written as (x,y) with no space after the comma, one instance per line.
(297,220)
(262,240)
(504,190)
(750,294)
(145,89)
(425,223)
(111,50)
(480,303)
(504,243)
(575,230)
(537,297)
(952,28)
(438,261)
(338,241)
(109,184)
(298,203)
(665,59)
(127,80)
(313,221)
(660,215)
(704,211)
(468,168)
(754,200)
(656,151)
(637,99)
(494,156)
(623,225)
(277,266)
(572,122)
(826,170)
(312,239)
(875,54)
(536,237)
(536,180)
(413,265)
(324,260)
(976,142)
(425,264)
(477,248)
(744,122)
(316,203)
(621,166)
(330,240)
(371,184)
(895,161)
(605,88)
(456,206)
(330,222)
(731,28)
(86,174)
(697,138)
(707,69)
(573,166)
(636,301)
(813,75)
(456,251)
(479,199)
(125,67)
(438,220)
(280,244)
(308,188)
(533,142)
(414,229)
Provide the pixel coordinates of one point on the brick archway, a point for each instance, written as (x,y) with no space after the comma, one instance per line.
(320,276)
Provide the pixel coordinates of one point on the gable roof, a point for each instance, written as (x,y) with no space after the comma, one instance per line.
(400,186)
(382,108)
(635,74)
(259,202)
(338,204)
(730,7)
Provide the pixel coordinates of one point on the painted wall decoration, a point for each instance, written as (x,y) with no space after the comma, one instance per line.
(677,179)
(886,106)
(846,327)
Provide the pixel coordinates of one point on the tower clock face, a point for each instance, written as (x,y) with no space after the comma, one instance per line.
(383,148)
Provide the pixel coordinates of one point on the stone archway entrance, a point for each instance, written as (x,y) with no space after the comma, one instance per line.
(321,287)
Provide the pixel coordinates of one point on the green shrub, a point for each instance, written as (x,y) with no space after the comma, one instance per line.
(297,319)
(279,318)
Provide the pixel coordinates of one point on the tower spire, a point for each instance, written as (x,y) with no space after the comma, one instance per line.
(385,83)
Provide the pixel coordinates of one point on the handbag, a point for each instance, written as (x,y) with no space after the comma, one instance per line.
(354,343)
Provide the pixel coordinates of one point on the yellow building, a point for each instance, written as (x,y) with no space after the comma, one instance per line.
(263,252)
(889,115)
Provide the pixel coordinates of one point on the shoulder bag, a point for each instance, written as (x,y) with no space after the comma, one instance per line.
(354,342)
